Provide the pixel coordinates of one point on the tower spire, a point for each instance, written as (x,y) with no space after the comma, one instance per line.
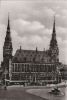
(8,37)
(54,31)
(53,41)
(8,25)
(7,48)
(54,50)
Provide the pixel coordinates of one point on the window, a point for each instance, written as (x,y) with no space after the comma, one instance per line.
(25,59)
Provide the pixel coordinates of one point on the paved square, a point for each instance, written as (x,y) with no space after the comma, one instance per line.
(17,93)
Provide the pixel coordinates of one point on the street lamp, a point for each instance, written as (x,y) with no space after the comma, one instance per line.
(5,73)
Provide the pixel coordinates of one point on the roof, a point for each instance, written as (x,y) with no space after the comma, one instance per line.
(64,68)
(30,56)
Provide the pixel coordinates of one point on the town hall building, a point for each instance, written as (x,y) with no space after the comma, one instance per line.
(30,67)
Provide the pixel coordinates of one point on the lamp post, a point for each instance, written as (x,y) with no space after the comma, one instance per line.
(5,73)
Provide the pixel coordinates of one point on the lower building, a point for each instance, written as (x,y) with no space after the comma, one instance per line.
(28,72)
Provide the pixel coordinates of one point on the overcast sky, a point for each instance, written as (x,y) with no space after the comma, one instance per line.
(31,24)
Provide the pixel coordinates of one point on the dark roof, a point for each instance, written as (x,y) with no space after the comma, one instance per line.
(30,56)
(64,68)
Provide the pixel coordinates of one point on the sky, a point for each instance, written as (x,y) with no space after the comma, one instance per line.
(31,23)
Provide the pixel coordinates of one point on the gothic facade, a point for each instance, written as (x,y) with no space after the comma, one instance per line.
(31,66)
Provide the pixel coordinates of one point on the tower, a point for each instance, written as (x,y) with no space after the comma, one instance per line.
(7,48)
(54,50)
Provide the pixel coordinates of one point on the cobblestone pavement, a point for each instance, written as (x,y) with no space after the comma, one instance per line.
(17,93)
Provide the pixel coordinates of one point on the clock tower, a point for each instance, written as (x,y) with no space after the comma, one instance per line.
(7,48)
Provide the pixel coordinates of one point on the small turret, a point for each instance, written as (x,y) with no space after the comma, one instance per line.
(36,49)
(20,49)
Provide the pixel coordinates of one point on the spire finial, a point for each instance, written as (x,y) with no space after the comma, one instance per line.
(54,17)
(8,26)
(8,35)
(54,25)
